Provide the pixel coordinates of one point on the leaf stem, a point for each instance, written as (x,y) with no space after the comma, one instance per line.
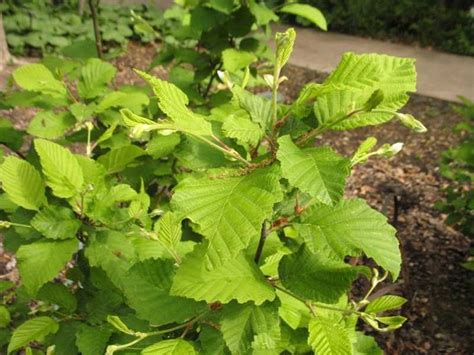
(261,242)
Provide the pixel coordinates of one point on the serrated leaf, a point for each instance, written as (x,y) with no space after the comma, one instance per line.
(294,312)
(316,277)
(58,294)
(36,77)
(352,228)
(229,211)
(119,158)
(307,12)
(249,327)
(95,76)
(170,347)
(173,102)
(34,329)
(258,107)
(50,125)
(355,80)
(146,288)
(328,337)
(385,303)
(320,172)
(56,222)
(168,228)
(130,100)
(92,340)
(284,46)
(22,183)
(61,168)
(234,60)
(243,130)
(234,279)
(41,261)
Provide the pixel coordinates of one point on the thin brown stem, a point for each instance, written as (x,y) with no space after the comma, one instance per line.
(93,5)
(261,242)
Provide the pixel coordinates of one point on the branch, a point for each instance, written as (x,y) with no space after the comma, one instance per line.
(261,242)
(93,4)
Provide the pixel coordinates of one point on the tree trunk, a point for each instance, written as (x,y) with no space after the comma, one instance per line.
(4,53)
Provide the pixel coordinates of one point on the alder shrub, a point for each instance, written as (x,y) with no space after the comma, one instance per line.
(204,230)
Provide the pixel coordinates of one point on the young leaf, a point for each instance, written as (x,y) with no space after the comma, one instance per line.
(56,222)
(117,159)
(36,77)
(352,227)
(385,303)
(34,329)
(243,326)
(316,277)
(170,347)
(63,172)
(259,108)
(227,210)
(320,172)
(235,60)
(307,12)
(234,279)
(22,183)
(328,337)
(95,76)
(41,261)
(243,130)
(284,46)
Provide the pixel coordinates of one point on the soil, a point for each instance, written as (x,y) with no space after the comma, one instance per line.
(440,308)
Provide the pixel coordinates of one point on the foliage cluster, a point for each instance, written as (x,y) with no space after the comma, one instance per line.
(457,165)
(163,226)
(447,25)
(44,26)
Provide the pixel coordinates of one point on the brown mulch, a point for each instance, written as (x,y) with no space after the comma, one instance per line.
(440,309)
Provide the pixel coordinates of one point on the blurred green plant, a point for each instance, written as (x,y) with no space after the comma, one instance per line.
(457,164)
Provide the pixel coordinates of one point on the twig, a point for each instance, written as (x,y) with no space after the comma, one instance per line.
(261,242)
(93,5)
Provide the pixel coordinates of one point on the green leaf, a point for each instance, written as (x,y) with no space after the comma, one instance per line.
(50,125)
(385,303)
(41,261)
(119,158)
(61,168)
(36,77)
(245,326)
(243,130)
(95,76)
(234,60)
(161,146)
(58,294)
(22,183)
(5,317)
(259,108)
(224,6)
(294,312)
(307,12)
(173,102)
(328,337)
(284,46)
(34,329)
(352,228)
(366,345)
(146,288)
(92,340)
(314,276)
(169,231)
(319,172)
(56,222)
(228,211)
(234,279)
(353,82)
(170,347)
(131,100)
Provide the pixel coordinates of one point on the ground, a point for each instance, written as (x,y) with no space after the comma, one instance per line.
(439,307)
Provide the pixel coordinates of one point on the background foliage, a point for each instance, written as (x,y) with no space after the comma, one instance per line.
(447,25)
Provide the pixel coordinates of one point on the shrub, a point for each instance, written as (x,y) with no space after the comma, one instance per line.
(457,164)
(220,230)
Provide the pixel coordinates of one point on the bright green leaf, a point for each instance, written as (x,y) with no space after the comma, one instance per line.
(34,329)
(56,222)
(307,12)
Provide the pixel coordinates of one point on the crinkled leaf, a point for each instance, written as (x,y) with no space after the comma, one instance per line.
(41,261)
(61,168)
(320,172)
(56,222)
(22,183)
(352,228)
(95,76)
(328,337)
(229,211)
